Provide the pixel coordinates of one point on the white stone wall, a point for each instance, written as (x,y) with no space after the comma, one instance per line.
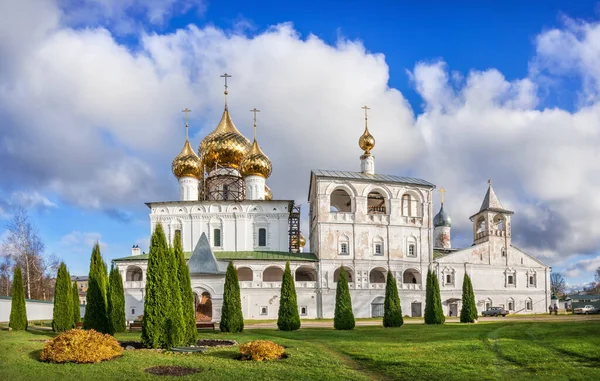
(188,188)
(238,221)
(36,309)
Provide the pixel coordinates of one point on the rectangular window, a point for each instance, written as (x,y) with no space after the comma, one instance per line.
(303,310)
(378,250)
(344,248)
(510,279)
(448,279)
(217,238)
(412,250)
(531,280)
(262,237)
(133,311)
(263,310)
(511,306)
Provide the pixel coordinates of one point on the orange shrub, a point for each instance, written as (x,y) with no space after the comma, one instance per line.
(81,346)
(260,350)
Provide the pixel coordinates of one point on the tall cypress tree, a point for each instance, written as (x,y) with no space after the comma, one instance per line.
(96,307)
(232,319)
(18,312)
(174,328)
(433,301)
(116,301)
(187,296)
(392,315)
(343,318)
(76,304)
(62,314)
(468,312)
(156,300)
(288,319)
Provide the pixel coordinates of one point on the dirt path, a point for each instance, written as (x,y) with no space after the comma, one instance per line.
(363,323)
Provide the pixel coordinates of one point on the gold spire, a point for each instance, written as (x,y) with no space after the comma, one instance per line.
(187,163)
(366,141)
(225,146)
(256,162)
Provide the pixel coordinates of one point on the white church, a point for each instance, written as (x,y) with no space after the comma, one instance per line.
(363,223)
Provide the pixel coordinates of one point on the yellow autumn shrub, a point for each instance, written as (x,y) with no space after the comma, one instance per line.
(260,350)
(81,346)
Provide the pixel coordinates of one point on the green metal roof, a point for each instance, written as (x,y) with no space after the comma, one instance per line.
(242,255)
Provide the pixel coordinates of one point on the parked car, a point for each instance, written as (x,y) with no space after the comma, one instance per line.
(495,311)
(587,309)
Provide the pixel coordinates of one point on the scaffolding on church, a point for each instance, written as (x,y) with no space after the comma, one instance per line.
(224,183)
(294,228)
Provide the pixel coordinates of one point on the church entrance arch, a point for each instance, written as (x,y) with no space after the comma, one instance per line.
(203,305)
(377,306)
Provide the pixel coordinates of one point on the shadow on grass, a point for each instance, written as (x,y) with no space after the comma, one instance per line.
(35,355)
(227,355)
(39,332)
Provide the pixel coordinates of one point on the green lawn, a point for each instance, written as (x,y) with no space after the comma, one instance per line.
(512,350)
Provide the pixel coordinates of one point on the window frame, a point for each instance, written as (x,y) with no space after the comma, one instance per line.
(344,248)
(265,309)
(264,237)
(217,233)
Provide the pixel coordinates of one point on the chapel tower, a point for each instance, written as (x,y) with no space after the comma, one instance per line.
(187,167)
(492,223)
(442,223)
(367,143)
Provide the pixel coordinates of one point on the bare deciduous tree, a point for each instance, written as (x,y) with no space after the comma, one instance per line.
(26,249)
(557,284)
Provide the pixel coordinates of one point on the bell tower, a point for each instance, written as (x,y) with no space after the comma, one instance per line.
(492,224)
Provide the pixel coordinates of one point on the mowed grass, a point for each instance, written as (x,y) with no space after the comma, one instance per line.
(512,350)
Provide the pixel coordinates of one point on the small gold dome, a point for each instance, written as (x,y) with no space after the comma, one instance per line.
(268,193)
(302,240)
(256,163)
(366,141)
(187,163)
(225,146)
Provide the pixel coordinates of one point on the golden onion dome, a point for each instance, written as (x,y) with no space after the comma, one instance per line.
(302,240)
(366,141)
(256,163)
(187,163)
(268,193)
(225,146)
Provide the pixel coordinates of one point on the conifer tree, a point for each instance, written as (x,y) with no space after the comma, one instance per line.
(288,319)
(187,296)
(76,304)
(232,319)
(468,312)
(96,307)
(116,301)
(156,297)
(392,315)
(433,301)
(18,313)
(174,329)
(343,317)
(62,314)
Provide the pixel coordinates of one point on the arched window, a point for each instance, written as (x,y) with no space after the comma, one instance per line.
(499,222)
(336,274)
(340,201)
(377,275)
(528,304)
(244,274)
(511,304)
(410,205)
(488,303)
(378,246)
(343,245)
(411,247)
(411,276)
(217,237)
(376,203)
(134,274)
(306,274)
(273,274)
(481,224)
(262,237)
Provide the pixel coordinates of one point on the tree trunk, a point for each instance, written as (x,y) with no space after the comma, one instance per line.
(27,276)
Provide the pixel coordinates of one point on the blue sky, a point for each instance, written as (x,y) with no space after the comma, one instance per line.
(460,92)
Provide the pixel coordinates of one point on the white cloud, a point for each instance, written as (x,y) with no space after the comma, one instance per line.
(32,200)
(105,123)
(82,241)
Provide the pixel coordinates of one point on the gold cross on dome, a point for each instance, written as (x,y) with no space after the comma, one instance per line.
(225,76)
(442,191)
(254,110)
(187,111)
(366,110)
